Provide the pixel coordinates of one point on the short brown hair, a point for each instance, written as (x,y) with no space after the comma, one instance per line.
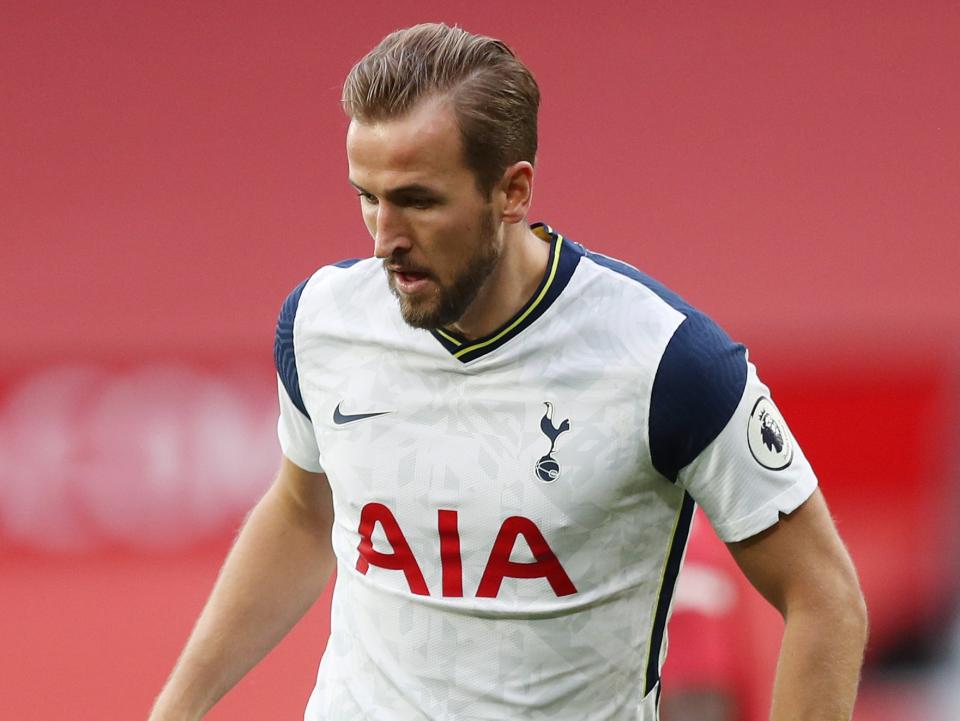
(494,95)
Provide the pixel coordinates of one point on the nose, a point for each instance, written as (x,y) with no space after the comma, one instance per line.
(390,232)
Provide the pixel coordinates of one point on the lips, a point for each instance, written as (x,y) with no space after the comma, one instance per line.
(409,280)
(410,276)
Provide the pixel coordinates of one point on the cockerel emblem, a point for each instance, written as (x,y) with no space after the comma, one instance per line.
(547,468)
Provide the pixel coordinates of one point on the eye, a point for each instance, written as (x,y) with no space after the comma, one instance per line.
(367,198)
(421,203)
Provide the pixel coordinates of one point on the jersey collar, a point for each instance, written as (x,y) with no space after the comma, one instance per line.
(560,266)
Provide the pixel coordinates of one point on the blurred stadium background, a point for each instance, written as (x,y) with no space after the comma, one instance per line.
(171,170)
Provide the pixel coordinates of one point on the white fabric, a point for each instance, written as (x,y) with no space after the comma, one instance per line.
(739,495)
(468,438)
(297,439)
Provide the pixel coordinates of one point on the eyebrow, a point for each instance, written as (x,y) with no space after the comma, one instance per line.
(402,192)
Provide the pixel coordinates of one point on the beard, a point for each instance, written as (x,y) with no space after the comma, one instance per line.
(446,303)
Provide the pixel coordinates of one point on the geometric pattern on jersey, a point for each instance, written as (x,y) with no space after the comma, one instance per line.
(698,384)
(471,582)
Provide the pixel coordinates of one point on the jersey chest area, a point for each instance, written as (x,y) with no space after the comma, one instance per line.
(532,464)
(459,435)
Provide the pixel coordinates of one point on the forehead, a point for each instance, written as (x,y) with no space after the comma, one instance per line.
(422,146)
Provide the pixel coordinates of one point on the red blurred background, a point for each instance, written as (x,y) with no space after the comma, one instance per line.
(171,170)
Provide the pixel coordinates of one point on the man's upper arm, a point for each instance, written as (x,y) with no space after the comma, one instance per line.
(307,493)
(800,561)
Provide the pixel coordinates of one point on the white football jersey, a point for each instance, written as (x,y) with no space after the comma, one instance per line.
(512,512)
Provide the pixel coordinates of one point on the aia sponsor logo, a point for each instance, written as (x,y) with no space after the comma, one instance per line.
(499,565)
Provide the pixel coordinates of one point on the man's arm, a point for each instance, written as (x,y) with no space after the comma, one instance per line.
(801,567)
(277,568)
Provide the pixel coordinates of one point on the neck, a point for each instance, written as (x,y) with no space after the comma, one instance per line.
(511,284)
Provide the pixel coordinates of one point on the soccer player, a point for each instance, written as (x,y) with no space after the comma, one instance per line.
(498,438)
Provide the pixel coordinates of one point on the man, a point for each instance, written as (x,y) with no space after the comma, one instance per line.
(504,471)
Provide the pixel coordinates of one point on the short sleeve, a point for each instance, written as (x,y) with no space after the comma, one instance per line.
(714,429)
(753,471)
(294,429)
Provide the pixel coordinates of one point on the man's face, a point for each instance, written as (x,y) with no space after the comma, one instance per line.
(434,230)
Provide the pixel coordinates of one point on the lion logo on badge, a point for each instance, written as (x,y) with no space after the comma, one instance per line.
(771,435)
(768,437)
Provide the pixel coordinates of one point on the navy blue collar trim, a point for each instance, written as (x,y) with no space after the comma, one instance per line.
(564,257)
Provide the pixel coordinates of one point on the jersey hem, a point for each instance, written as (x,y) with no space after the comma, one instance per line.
(299,460)
(768,515)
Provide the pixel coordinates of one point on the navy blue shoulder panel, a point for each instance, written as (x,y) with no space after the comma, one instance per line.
(697,388)
(698,383)
(283,354)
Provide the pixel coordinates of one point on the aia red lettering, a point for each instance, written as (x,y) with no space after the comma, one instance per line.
(546,565)
(450,564)
(402,557)
(499,566)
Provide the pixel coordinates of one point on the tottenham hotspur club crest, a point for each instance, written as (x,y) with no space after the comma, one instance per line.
(547,468)
(768,437)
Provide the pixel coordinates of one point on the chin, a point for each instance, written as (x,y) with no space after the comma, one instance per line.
(420,315)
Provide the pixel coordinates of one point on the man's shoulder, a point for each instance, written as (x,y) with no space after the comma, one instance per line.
(344,273)
(331,292)
(333,296)
(612,271)
(346,276)
(615,270)
(693,348)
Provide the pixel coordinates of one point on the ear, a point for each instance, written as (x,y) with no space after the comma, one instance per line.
(516,189)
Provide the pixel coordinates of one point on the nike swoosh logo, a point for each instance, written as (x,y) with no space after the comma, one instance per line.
(342,418)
